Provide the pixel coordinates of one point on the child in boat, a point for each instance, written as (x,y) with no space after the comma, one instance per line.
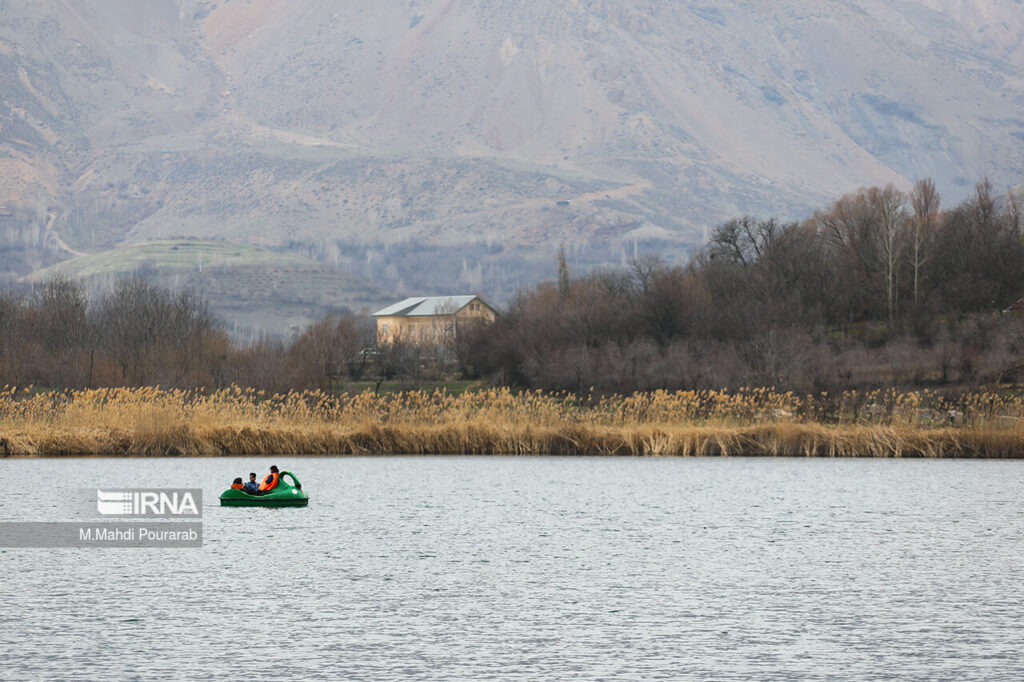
(237,484)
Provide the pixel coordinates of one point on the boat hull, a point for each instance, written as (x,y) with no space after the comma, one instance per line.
(284,495)
(262,501)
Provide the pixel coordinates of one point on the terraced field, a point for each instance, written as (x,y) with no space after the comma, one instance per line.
(255,291)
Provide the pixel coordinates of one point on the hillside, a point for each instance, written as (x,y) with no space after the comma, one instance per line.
(444,145)
(256,292)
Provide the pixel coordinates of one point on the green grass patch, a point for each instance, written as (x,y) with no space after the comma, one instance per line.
(169,254)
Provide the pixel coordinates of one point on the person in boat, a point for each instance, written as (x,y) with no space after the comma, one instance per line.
(252,486)
(271,481)
(237,484)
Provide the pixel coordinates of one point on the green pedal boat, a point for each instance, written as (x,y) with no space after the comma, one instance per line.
(284,495)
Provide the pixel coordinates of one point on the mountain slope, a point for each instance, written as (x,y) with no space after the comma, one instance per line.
(480,136)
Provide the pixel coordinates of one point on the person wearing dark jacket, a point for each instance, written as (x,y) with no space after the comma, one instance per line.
(252,486)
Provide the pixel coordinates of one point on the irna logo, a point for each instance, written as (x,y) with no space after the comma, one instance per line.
(174,502)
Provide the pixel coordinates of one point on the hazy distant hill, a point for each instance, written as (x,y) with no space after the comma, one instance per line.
(435,144)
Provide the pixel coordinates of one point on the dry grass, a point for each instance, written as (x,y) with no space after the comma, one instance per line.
(151,421)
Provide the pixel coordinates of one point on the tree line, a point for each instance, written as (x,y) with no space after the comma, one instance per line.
(142,334)
(880,288)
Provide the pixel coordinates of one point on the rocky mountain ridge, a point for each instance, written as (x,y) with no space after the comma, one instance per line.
(474,138)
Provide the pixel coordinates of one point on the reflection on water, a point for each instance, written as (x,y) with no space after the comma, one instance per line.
(535,568)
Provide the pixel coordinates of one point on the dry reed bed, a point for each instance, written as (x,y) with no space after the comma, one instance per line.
(235,421)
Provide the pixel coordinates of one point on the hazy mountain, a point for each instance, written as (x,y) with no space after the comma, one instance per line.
(423,143)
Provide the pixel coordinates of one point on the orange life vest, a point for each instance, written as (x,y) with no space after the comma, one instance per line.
(270,482)
(236,486)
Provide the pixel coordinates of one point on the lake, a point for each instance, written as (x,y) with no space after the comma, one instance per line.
(534,568)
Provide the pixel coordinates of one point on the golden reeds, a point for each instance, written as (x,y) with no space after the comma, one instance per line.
(236,421)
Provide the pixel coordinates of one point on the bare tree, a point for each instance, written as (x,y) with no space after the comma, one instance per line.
(330,349)
(925,201)
(645,270)
(59,316)
(890,219)
(152,333)
(745,240)
(563,272)
(1015,212)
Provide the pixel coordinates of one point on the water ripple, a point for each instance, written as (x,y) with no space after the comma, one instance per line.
(536,568)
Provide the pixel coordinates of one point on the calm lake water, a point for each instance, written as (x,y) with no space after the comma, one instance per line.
(535,568)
